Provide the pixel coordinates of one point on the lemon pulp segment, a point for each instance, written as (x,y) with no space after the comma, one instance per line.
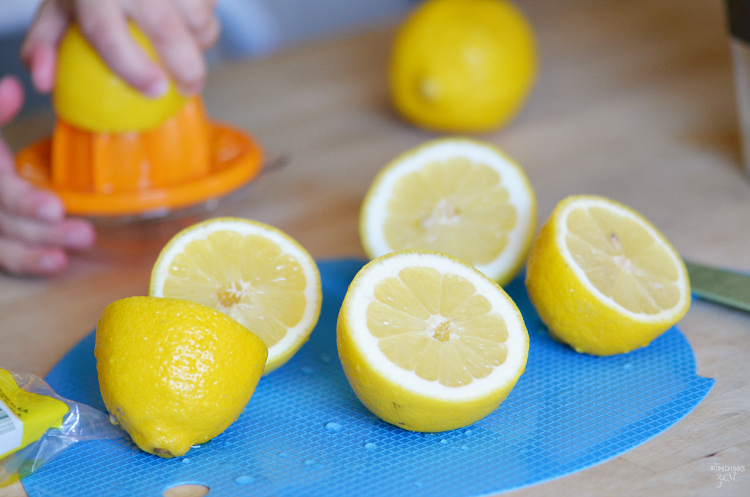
(262,287)
(437,326)
(252,272)
(447,203)
(457,196)
(623,260)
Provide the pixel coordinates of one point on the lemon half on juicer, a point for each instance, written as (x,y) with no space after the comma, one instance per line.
(117,155)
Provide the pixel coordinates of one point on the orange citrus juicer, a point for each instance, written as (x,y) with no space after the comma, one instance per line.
(99,170)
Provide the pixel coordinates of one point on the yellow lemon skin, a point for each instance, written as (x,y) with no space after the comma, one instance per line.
(174,373)
(462,65)
(89,95)
(572,313)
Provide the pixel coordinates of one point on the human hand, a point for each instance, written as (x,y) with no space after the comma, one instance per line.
(34,233)
(179,30)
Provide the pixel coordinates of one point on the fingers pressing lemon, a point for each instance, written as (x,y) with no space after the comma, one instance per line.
(462,197)
(250,271)
(462,65)
(603,278)
(429,343)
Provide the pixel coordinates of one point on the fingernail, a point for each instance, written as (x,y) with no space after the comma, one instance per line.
(79,238)
(157,88)
(51,262)
(50,211)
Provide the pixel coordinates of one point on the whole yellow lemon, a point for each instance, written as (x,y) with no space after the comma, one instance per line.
(174,373)
(462,65)
(89,95)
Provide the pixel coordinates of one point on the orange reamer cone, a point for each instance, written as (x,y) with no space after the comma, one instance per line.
(182,162)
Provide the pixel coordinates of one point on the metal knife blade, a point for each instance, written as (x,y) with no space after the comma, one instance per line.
(720,286)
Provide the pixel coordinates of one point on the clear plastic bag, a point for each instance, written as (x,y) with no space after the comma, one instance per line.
(35,427)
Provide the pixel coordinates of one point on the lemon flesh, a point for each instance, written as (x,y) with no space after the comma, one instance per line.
(250,271)
(429,343)
(89,95)
(174,373)
(603,278)
(462,65)
(457,196)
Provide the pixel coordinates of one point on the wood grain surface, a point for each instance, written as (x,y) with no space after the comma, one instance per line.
(634,101)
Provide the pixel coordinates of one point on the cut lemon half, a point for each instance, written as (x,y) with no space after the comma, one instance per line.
(603,278)
(428,343)
(461,197)
(252,272)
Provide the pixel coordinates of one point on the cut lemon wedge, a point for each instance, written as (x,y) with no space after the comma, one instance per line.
(252,272)
(603,278)
(428,343)
(461,197)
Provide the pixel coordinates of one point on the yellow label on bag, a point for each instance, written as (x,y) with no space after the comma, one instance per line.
(25,416)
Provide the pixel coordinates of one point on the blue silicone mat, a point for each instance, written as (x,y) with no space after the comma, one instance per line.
(304,433)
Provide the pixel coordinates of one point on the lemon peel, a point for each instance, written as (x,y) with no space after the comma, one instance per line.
(174,373)
(462,65)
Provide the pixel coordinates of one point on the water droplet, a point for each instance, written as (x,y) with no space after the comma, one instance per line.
(444,441)
(468,432)
(309,462)
(282,454)
(464,447)
(307,370)
(244,480)
(370,445)
(325,358)
(195,446)
(185,461)
(627,365)
(334,427)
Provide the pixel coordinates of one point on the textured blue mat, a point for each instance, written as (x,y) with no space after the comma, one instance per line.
(304,432)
